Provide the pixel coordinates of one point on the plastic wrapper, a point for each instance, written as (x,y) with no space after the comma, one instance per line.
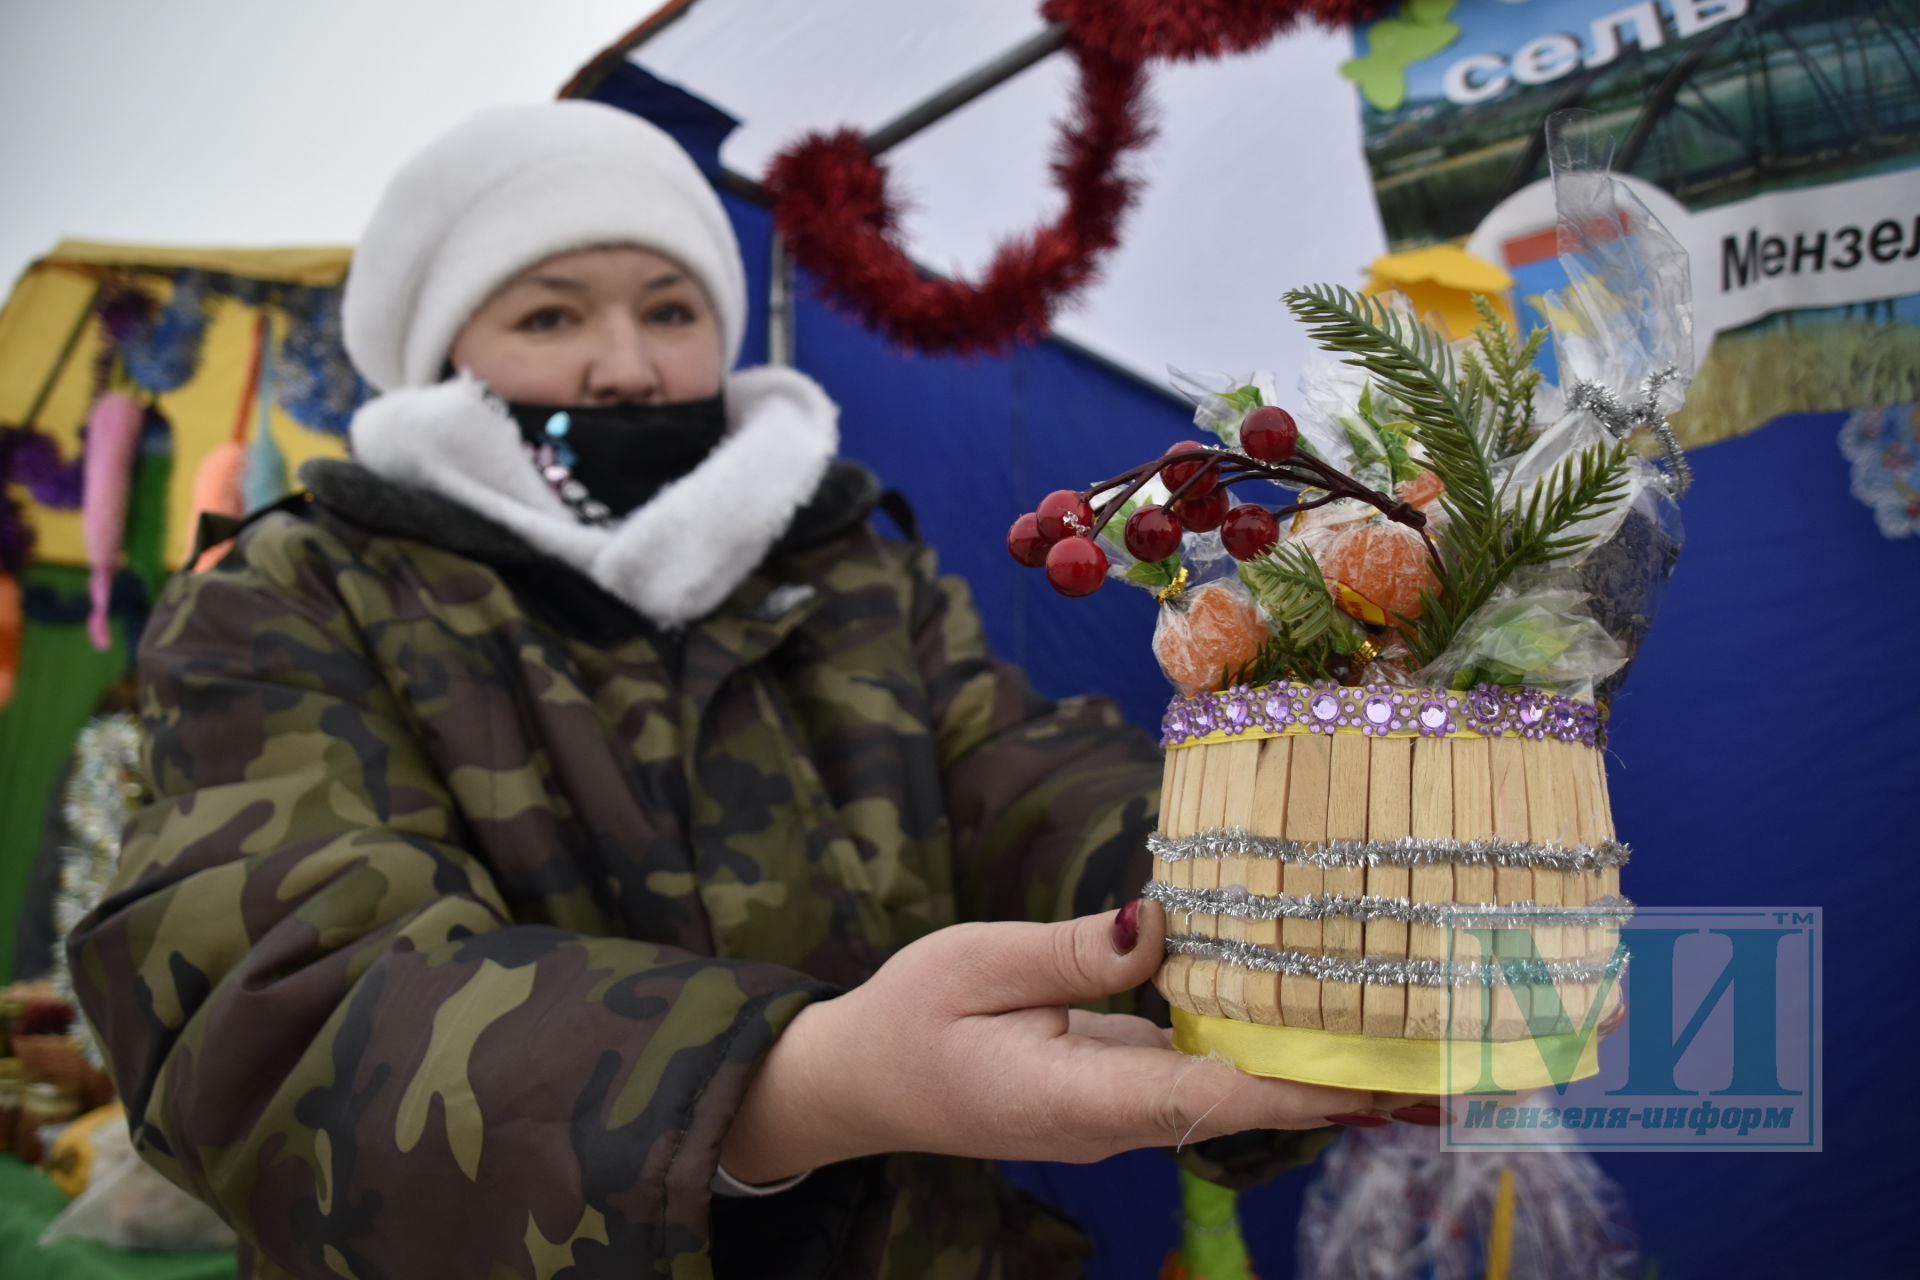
(1202,555)
(1206,630)
(1544,639)
(1375,567)
(1632,545)
(1623,325)
(1205,556)
(1348,422)
(1221,401)
(1122,563)
(1320,529)
(1378,570)
(129,1204)
(1623,332)
(1393,1204)
(1626,576)
(1568,435)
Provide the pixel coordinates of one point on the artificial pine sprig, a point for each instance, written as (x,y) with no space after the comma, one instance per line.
(1511,376)
(1578,489)
(1308,629)
(1464,419)
(1414,365)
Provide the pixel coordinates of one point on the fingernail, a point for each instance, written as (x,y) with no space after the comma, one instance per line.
(1424,1113)
(1612,1021)
(1126,928)
(1360,1121)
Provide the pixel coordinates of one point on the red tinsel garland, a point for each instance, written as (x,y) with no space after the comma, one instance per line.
(1187,30)
(832,205)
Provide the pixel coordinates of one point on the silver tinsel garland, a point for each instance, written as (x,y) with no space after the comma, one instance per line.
(1383,972)
(100,792)
(1230,842)
(1234,900)
(1621,419)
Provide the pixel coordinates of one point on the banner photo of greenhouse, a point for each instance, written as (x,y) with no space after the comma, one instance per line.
(1778,139)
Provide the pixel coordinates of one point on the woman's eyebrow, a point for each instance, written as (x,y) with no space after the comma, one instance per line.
(566,284)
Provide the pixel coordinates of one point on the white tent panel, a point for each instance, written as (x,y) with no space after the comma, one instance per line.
(782,68)
(1255,183)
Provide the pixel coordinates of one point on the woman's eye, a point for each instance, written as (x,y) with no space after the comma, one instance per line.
(671,313)
(544,320)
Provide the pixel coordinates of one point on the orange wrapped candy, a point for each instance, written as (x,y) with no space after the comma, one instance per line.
(1383,563)
(1213,628)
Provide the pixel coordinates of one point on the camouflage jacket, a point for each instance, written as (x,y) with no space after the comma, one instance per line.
(468,902)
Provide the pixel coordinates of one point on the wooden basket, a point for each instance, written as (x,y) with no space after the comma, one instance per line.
(1312,792)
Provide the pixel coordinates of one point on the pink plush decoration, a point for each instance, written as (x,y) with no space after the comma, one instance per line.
(113,434)
(217,489)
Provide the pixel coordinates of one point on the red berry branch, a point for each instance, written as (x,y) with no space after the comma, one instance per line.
(1060,533)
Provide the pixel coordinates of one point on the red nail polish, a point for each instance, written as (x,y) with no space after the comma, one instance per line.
(1126,928)
(1612,1021)
(1359,1121)
(1424,1113)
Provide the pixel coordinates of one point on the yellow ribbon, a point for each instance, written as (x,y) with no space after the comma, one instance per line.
(1254,732)
(1382,1064)
(1500,1239)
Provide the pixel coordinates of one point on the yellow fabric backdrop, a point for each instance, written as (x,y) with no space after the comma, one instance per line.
(54,295)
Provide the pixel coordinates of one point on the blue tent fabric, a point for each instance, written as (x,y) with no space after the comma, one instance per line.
(1760,755)
(696,124)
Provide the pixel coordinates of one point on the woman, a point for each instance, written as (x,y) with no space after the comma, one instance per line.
(565,814)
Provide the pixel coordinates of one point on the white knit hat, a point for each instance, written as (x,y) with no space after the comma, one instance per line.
(512,187)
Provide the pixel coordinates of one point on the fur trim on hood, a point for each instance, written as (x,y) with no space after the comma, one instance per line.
(673,560)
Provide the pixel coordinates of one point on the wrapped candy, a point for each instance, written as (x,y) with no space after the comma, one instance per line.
(1204,635)
(1375,567)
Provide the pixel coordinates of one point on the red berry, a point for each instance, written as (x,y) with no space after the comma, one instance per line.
(1076,566)
(1152,535)
(1269,434)
(1248,531)
(1025,543)
(1203,514)
(1062,514)
(1177,473)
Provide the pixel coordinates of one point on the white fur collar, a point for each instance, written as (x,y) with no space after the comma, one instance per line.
(675,559)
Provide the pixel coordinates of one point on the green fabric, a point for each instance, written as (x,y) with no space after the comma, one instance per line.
(61,677)
(28,1202)
(1211,1247)
(60,680)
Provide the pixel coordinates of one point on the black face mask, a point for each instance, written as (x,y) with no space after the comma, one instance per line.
(609,460)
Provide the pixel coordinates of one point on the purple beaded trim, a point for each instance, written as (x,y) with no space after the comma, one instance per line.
(1379,710)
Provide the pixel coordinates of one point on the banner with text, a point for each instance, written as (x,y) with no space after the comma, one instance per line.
(1779,140)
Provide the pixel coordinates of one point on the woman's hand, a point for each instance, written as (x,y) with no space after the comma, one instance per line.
(963,1044)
